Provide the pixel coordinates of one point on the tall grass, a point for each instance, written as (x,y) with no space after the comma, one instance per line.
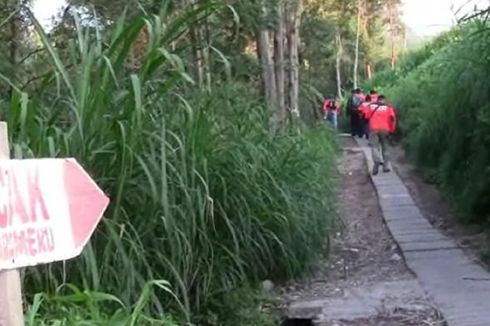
(77,307)
(202,195)
(445,108)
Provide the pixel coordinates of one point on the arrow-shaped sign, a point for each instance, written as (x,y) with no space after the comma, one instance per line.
(49,208)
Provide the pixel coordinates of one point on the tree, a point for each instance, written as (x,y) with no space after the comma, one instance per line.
(265,54)
(16,47)
(111,10)
(358,36)
(338,62)
(279,57)
(200,52)
(294,13)
(390,9)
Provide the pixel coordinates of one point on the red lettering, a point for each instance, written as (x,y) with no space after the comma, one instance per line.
(3,216)
(16,205)
(36,198)
(31,241)
(45,240)
(3,205)
(21,242)
(26,242)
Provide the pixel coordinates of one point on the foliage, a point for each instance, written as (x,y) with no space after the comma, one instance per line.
(411,60)
(244,307)
(443,99)
(323,20)
(202,194)
(71,306)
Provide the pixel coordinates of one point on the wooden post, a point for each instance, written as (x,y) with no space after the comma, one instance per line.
(10,290)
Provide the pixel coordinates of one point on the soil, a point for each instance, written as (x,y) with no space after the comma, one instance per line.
(437,208)
(363,251)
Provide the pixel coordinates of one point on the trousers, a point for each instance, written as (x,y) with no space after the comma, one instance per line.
(333,119)
(378,140)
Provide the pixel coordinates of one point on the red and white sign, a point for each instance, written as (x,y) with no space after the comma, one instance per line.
(49,208)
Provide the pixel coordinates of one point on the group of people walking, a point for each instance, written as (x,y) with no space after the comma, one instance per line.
(370,117)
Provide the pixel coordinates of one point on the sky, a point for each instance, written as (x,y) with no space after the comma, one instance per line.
(423,17)
(431,17)
(46,9)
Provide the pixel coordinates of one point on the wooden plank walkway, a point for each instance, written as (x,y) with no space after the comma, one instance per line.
(459,286)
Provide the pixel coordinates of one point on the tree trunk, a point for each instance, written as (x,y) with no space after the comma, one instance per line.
(13,47)
(338,61)
(369,71)
(392,33)
(268,73)
(13,41)
(358,36)
(279,60)
(197,53)
(197,58)
(294,23)
(206,54)
(268,76)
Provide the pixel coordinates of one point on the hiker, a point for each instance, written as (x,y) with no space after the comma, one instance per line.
(354,103)
(364,122)
(331,111)
(382,123)
(374,95)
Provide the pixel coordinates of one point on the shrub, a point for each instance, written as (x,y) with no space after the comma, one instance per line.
(444,112)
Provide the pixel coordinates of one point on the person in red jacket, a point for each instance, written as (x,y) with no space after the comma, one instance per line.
(331,111)
(374,95)
(363,121)
(382,123)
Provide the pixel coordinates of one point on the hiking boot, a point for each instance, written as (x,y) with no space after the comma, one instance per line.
(386,169)
(376,169)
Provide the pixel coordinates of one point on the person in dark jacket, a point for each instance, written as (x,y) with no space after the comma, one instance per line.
(355,101)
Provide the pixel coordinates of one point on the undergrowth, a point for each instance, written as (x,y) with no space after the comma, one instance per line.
(442,94)
(203,195)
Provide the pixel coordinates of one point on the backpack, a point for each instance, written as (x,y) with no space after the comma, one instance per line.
(353,104)
(356,101)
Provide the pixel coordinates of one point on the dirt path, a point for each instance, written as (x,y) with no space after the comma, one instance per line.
(365,280)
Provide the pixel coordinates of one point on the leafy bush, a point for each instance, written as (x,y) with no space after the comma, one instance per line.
(444,106)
